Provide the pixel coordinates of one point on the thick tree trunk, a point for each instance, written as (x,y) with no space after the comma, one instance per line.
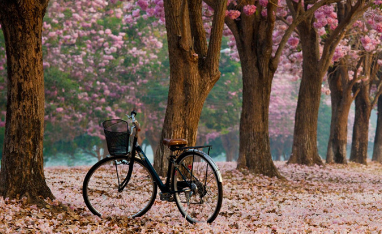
(194,69)
(253,36)
(341,102)
(360,138)
(304,149)
(22,171)
(231,145)
(377,152)
(182,114)
(255,150)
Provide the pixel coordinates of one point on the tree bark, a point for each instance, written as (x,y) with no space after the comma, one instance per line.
(335,96)
(304,149)
(360,138)
(194,69)
(364,103)
(254,134)
(22,172)
(340,87)
(377,151)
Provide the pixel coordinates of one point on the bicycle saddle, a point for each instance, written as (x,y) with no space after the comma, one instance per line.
(172,142)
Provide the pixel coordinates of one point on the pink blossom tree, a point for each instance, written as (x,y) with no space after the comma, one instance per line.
(315,65)
(252,24)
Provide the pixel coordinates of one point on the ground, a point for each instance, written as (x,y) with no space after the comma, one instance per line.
(329,199)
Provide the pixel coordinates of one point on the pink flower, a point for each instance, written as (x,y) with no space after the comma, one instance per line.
(264,13)
(263,3)
(142,4)
(233,14)
(378,27)
(60,109)
(108,31)
(136,13)
(249,9)
(293,41)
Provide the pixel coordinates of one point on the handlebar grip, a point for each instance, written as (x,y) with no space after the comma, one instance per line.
(133,113)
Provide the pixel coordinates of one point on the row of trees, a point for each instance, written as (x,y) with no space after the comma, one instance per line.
(98,45)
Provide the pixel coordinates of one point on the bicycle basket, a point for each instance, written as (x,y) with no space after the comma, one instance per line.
(117,136)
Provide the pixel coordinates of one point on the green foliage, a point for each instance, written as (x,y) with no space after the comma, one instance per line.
(69,147)
(55,78)
(223,105)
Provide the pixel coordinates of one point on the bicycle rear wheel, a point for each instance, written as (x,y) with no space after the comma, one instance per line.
(102,193)
(198,183)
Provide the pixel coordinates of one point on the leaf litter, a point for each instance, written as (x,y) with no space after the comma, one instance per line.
(332,199)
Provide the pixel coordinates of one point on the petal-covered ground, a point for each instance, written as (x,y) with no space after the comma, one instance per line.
(330,199)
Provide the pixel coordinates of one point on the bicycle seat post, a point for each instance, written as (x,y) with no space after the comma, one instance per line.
(173,145)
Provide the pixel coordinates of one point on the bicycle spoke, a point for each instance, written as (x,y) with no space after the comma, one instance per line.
(101,189)
(201,179)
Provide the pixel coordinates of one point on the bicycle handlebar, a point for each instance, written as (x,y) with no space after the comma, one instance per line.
(134,122)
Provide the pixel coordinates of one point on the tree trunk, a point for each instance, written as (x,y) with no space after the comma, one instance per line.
(22,172)
(360,138)
(304,149)
(377,152)
(253,36)
(254,151)
(231,145)
(364,103)
(341,97)
(335,87)
(194,69)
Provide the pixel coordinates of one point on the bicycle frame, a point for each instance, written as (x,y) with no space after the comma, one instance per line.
(136,149)
(164,187)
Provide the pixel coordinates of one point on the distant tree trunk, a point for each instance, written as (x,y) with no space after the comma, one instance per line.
(194,69)
(22,172)
(363,105)
(341,95)
(335,96)
(315,64)
(377,152)
(231,145)
(304,149)
(360,130)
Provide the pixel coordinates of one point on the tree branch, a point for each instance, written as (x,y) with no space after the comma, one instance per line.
(337,35)
(183,36)
(197,29)
(291,28)
(213,53)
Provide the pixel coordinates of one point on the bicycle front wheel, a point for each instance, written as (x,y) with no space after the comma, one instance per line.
(103,193)
(198,185)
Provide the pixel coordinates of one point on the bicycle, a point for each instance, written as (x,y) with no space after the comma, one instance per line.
(126,182)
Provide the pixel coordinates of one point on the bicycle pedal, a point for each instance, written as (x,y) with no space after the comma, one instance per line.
(166,197)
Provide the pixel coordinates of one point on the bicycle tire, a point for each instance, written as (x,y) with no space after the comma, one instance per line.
(100,188)
(197,173)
